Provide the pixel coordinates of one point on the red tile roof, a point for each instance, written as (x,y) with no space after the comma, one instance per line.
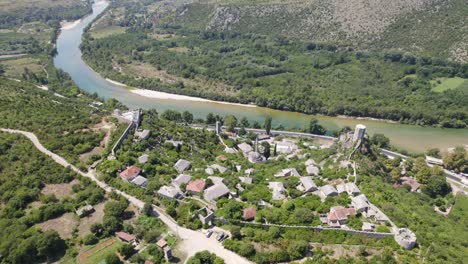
(125,236)
(340,213)
(130,172)
(221,158)
(248,213)
(411,182)
(161,243)
(196,186)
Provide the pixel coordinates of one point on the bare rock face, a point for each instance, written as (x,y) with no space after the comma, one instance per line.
(223,18)
(405,238)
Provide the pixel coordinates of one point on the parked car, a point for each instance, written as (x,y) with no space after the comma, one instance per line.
(208,233)
(220,237)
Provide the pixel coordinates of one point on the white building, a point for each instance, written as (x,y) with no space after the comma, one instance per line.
(359,132)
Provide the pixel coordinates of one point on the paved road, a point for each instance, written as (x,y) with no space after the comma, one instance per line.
(192,241)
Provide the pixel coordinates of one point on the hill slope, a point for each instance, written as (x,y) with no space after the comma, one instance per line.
(429,27)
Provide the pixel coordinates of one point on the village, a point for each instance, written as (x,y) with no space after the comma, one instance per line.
(247,178)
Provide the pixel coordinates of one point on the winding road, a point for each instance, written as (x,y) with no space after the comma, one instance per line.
(191,241)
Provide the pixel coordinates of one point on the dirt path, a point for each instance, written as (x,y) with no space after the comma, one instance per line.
(192,241)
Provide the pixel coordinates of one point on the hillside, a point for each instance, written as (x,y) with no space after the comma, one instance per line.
(429,27)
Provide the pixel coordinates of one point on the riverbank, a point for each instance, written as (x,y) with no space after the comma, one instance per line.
(67,25)
(169,96)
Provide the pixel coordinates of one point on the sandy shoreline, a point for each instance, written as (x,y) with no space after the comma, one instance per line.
(170,96)
(66,25)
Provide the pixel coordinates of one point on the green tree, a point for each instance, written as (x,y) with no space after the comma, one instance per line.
(188,117)
(297,249)
(97,229)
(232,209)
(267,124)
(246,249)
(244,122)
(457,160)
(126,250)
(433,152)
(210,118)
(205,257)
(236,233)
(266,149)
(315,127)
(112,259)
(147,209)
(90,239)
(395,174)
(380,140)
(50,244)
(230,122)
(436,186)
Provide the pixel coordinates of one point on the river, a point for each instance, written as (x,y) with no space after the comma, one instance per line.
(409,137)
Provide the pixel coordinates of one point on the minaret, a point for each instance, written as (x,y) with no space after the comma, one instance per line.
(218,127)
(256,144)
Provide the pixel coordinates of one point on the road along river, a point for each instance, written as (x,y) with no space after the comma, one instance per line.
(410,137)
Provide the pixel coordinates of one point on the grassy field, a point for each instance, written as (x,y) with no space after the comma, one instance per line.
(445,84)
(107,31)
(14,68)
(97,253)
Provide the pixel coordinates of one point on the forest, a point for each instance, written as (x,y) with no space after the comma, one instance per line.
(24,171)
(275,72)
(16,13)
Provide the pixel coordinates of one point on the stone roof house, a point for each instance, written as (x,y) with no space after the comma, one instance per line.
(352,189)
(143,158)
(360,203)
(312,170)
(255,157)
(140,181)
(84,211)
(306,184)
(286,147)
(341,188)
(182,165)
(215,192)
(218,167)
(245,148)
(174,143)
(277,189)
(310,162)
(328,190)
(368,227)
(142,135)
(288,172)
(182,178)
(170,192)
(216,179)
(245,180)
